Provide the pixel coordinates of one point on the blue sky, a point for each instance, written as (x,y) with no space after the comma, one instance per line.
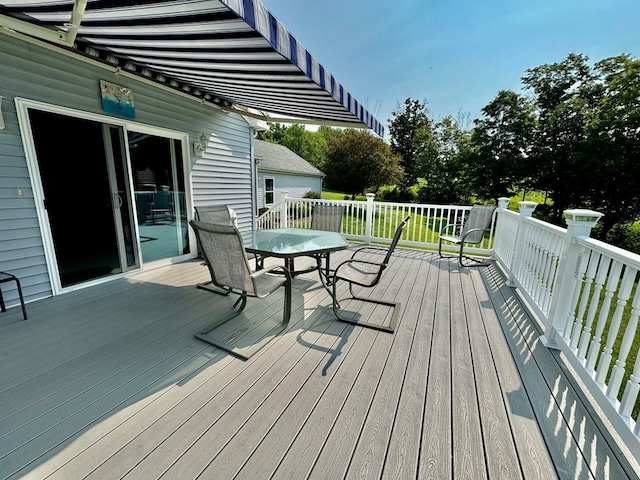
(454,54)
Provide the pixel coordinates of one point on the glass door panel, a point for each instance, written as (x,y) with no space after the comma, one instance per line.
(158,178)
(77,196)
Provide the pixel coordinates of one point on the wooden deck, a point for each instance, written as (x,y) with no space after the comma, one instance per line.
(109,382)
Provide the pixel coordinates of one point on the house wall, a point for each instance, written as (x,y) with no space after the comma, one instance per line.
(222,175)
(296,185)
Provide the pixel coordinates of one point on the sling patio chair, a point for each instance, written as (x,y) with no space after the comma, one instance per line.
(326,217)
(367,273)
(469,231)
(228,265)
(221,215)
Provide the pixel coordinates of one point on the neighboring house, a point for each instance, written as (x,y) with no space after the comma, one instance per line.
(281,170)
(116,119)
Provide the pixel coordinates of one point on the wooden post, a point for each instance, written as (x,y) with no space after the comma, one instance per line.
(526,209)
(579,224)
(369,219)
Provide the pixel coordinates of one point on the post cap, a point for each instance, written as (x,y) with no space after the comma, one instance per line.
(582,216)
(503,202)
(526,208)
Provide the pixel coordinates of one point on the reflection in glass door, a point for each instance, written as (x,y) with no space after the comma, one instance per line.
(158,178)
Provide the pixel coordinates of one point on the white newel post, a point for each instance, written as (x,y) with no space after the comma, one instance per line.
(526,209)
(579,224)
(503,204)
(369,219)
(284,214)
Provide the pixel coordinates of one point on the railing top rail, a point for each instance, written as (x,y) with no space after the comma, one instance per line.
(509,213)
(554,229)
(625,257)
(386,204)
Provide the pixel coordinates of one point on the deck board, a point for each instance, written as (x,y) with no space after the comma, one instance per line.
(109,382)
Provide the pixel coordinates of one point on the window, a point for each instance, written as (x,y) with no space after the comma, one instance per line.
(269,191)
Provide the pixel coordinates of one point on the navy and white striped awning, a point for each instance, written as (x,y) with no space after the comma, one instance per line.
(232,51)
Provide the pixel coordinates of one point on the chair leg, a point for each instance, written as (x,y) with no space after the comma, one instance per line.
(394,317)
(3,307)
(24,310)
(476,262)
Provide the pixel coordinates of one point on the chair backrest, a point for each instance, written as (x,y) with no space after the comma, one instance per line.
(478,220)
(224,254)
(396,239)
(327,217)
(219,214)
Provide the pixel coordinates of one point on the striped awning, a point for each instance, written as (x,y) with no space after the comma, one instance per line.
(230,52)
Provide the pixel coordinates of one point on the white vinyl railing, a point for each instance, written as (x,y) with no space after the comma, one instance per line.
(584,292)
(377,221)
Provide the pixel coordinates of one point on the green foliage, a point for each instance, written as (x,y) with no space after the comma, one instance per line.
(413,140)
(625,235)
(500,161)
(312,194)
(357,161)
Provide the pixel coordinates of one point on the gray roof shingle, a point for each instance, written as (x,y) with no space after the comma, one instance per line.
(278,158)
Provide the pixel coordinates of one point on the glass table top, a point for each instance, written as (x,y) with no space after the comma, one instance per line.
(292,241)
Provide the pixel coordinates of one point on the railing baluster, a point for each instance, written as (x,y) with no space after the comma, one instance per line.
(602,267)
(611,284)
(570,332)
(623,297)
(630,395)
(618,370)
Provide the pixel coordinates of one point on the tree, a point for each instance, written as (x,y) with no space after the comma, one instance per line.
(357,161)
(309,145)
(444,174)
(562,97)
(412,139)
(613,141)
(502,139)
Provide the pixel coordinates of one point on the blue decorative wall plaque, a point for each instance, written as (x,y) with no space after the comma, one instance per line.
(117,99)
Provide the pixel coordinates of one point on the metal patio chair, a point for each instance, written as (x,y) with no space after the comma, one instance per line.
(8,277)
(228,265)
(366,273)
(220,215)
(327,217)
(469,231)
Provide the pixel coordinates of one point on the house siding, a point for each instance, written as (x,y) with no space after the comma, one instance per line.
(222,175)
(295,185)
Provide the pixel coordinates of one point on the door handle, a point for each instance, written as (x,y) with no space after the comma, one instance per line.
(117,201)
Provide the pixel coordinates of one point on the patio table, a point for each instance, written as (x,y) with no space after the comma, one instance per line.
(289,243)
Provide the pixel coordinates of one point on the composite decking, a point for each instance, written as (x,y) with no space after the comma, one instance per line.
(109,382)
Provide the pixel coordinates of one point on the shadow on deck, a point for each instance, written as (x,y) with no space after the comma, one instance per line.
(109,382)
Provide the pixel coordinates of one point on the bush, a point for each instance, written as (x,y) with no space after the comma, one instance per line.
(312,194)
(626,236)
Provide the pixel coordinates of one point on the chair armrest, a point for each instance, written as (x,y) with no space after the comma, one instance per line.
(451,225)
(361,249)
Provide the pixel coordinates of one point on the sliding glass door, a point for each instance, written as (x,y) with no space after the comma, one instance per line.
(113,196)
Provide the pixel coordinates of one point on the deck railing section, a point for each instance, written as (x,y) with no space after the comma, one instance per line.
(586,295)
(584,292)
(377,221)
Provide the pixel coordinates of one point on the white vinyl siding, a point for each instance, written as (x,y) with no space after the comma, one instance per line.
(295,185)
